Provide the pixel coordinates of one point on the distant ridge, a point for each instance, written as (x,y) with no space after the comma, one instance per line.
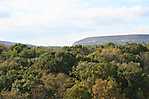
(119,39)
(7,43)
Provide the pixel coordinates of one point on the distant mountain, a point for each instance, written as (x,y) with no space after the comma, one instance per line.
(7,43)
(119,39)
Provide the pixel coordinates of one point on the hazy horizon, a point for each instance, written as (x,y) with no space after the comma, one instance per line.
(62,22)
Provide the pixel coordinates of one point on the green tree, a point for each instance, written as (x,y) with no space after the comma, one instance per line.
(57,84)
(58,62)
(92,71)
(78,91)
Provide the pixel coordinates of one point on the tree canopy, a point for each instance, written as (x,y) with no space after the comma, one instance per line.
(108,71)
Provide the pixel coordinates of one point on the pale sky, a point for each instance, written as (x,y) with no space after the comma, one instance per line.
(62,22)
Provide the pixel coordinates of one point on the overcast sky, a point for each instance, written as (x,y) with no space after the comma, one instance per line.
(61,22)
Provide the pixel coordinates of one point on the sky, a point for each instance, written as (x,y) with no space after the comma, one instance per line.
(62,22)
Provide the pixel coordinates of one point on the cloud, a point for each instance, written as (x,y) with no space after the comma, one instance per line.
(66,20)
(134,11)
(57,12)
(4,14)
(142,30)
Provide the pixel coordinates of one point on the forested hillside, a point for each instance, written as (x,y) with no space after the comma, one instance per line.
(107,71)
(118,39)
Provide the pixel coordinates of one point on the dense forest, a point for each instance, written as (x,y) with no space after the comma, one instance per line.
(106,71)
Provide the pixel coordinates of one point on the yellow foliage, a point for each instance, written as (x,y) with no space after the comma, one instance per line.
(104,89)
